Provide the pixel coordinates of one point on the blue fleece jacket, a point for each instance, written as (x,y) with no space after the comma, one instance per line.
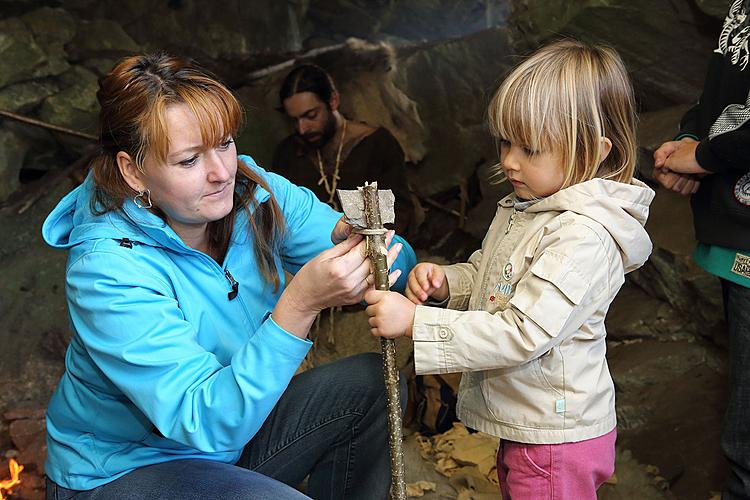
(163,365)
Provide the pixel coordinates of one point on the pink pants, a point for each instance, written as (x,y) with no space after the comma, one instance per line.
(567,471)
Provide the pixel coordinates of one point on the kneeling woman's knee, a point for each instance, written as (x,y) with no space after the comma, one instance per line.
(371,365)
(364,372)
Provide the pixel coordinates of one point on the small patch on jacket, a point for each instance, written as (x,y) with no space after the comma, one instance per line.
(741,265)
(742,189)
(507,271)
(501,290)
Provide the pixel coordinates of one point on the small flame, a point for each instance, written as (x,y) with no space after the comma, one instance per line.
(15,472)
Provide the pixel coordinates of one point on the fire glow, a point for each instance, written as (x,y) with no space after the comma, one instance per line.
(15,472)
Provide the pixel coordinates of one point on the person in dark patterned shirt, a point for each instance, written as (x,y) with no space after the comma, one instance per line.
(710,160)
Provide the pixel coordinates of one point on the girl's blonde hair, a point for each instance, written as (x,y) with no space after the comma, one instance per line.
(563,99)
(134,98)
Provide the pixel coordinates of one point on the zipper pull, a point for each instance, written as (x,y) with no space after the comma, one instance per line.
(510,221)
(235,285)
(126,243)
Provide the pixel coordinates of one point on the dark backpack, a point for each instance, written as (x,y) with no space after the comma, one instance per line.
(432,401)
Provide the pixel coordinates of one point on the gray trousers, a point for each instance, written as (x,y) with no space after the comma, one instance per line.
(735,437)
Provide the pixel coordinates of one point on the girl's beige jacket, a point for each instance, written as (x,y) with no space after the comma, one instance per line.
(525,318)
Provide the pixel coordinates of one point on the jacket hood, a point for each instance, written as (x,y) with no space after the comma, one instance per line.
(622,209)
(72,222)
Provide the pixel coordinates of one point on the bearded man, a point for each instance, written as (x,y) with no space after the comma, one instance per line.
(328,151)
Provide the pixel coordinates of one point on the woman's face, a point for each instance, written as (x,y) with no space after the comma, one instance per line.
(196,184)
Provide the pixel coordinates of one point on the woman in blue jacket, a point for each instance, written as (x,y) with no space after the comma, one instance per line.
(186,336)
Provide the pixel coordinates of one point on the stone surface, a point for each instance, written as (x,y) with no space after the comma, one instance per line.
(24,413)
(33,304)
(75,106)
(52,29)
(533,21)
(23,97)
(406,21)
(12,152)
(20,55)
(374,97)
(101,37)
(676,280)
(451,83)
(666,45)
(24,432)
(51,25)
(204,30)
(670,398)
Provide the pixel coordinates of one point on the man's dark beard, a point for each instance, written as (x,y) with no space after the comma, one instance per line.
(329,130)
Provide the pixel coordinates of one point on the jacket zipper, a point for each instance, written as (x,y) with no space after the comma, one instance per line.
(510,221)
(485,279)
(234,284)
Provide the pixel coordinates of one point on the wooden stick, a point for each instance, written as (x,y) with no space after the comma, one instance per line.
(49,126)
(275,68)
(439,206)
(378,254)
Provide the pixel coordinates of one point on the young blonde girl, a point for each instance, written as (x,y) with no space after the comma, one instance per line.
(525,316)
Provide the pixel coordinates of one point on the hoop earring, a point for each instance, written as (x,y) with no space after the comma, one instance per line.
(142,202)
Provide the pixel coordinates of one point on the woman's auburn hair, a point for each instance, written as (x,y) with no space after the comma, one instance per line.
(564,99)
(134,98)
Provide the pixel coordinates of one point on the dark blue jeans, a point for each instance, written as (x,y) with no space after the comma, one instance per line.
(735,437)
(330,424)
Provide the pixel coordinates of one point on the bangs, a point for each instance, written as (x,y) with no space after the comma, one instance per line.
(523,110)
(217,111)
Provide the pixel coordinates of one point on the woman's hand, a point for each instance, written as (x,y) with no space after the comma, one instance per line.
(391,314)
(341,231)
(390,259)
(426,280)
(338,276)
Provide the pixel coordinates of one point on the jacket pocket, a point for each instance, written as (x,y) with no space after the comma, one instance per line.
(554,363)
(517,395)
(552,293)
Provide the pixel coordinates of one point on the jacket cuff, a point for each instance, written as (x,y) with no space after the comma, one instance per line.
(459,288)
(707,159)
(431,335)
(686,134)
(282,341)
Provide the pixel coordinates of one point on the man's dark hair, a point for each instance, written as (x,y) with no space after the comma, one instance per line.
(307,78)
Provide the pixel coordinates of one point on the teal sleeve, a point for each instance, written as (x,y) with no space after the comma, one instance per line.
(136,333)
(405,261)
